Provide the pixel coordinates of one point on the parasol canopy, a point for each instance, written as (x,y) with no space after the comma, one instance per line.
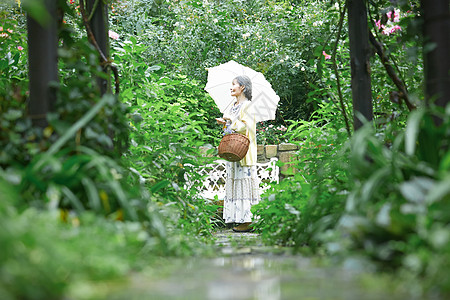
(264,99)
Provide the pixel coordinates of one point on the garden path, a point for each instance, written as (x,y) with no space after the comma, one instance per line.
(243,268)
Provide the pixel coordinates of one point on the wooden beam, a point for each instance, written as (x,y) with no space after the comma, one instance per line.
(42,64)
(436,30)
(99,26)
(359,61)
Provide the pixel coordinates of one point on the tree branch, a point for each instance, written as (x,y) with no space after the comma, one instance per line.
(403,93)
(105,62)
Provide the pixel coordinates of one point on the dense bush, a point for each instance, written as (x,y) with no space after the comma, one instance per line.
(303,205)
(110,167)
(397,211)
(171,118)
(273,37)
(381,195)
(42,257)
(69,161)
(82,160)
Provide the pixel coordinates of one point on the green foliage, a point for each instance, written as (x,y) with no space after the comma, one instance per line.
(144,83)
(272,37)
(301,206)
(79,91)
(397,211)
(383,195)
(41,256)
(401,38)
(268,133)
(14,129)
(60,160)
(118,202)
(170,117)
(75,163)
(14,47)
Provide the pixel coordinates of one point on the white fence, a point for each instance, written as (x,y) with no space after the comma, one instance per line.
(215,174)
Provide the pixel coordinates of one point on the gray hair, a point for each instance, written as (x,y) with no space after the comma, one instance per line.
(247,83)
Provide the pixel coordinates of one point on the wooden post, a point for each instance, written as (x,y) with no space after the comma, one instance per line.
(99,26)
(359,61)
(42,64)
(436,29)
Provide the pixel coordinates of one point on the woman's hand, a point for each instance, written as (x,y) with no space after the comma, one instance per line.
(223,120)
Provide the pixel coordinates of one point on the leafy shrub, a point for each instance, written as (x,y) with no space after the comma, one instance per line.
(301,206)
(171,117)
(273,37)
(268,133)
(74,163)
(42,257)
(397,211)
(60,159)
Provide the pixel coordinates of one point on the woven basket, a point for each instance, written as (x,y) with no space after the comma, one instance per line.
(233,147)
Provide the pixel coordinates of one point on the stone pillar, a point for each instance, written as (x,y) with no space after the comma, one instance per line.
(271,151)
(287,153)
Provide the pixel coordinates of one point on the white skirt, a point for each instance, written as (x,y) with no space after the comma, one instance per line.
(241,192)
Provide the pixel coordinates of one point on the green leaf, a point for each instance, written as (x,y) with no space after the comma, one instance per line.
(72,198)
(92,193)
(37,10)
(3,64)
(79,124)
(153,68)
(440,190)
(374,182)
(416,189)
(412,131)
(12,114)
(160,185)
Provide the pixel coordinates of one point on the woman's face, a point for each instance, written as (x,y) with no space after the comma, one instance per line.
(236,89)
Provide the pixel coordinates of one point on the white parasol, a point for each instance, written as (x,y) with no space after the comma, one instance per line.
(264,99)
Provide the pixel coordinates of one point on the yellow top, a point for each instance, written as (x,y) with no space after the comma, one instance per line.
(244,122)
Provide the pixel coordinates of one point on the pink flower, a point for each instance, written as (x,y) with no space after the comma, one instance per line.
(20,48)
(395,28)
(378,24)
(389,14)
(9,30)
(395,17)
(113,35)
(1,28)
(327,56)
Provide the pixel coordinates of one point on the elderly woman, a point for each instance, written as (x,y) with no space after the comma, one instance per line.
(241,184)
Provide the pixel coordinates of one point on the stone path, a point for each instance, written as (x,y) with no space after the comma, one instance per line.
(245,269)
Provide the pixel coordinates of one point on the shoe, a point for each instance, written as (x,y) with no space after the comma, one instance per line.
(244,227)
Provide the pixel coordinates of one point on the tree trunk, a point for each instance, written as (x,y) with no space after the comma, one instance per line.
(436,29)
(359,60)
(99,26)
(42,65)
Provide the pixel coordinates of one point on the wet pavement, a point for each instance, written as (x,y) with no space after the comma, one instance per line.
(246,269)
